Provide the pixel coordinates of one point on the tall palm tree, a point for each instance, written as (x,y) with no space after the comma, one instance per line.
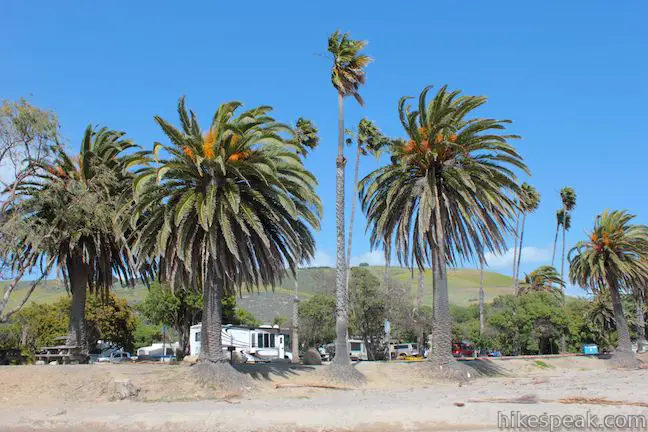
(568,198)
(529,202)
(369,141)
(75,205)
(640,322)
(227,209)
(446,196)
(544,278)
(613,259)
(347,74)
(306,136)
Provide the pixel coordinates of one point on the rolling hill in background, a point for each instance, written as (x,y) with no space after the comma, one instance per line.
(266,305)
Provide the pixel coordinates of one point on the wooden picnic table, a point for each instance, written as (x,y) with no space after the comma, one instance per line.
(65,354)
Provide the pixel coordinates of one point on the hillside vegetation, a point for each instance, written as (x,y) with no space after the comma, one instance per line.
(266,304)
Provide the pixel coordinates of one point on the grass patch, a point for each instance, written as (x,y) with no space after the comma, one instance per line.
(543,365)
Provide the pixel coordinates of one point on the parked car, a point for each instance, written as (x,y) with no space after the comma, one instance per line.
(115,357)
(463,349)
(406,349)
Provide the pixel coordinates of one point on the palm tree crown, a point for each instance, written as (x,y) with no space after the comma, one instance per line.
(544,278)
(461,162)
(234,203)
(74,204)
(568,198)
(614,255)
(347,73)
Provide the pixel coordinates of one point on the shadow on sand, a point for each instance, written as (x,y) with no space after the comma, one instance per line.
(485,367)
(265,371)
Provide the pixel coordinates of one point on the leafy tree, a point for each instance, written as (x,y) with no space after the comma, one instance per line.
(529,202)
(347,74)
(110,319)
(317,320)
(180,308)
(446,196)
(531,323)
(544,278)
(28,135)
(71,215)
(613,259)
(145,333)
(226,209)
(368,311)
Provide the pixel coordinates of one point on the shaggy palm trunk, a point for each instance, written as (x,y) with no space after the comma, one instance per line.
(295,328)
(553,254)
(519,256)
(78,274)
(642,344)
(214,368)
(352,217)
(211,343)
(481,299)
(515,245)
(623,354)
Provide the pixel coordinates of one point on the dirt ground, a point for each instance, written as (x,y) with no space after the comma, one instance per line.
(397,396)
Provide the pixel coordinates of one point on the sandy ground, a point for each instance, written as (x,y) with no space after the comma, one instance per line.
(397,396)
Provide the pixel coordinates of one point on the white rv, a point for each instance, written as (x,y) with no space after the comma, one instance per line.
(255,344)
(357,349)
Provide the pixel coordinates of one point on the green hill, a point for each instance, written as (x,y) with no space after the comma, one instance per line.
(265,305)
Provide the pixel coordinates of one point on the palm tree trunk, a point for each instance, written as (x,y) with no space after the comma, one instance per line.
(441,349)
(517,231)
(342,303)
(211,342)
(388,295)
(641,325)
(562,260)
(481,299)
(623,352)
(354,199)
(553,254)
(214,368)
(418,304)
(519,256)
(78,274)
(295,326)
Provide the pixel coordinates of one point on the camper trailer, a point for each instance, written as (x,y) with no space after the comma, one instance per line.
(254,344)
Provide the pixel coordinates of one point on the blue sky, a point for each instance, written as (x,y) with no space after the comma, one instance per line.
(571,75)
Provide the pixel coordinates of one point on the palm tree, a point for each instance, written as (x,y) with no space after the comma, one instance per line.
(640,322)
(544,278)
(568,198)
(529,202)
(446,196)
(369,140)
(612,259)
(227,209)
(347,74)
(307,137)
(73,208)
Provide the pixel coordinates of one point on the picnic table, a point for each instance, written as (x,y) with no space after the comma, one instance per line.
(64,354)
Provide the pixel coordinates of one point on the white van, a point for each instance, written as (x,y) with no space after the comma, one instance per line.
(405,349)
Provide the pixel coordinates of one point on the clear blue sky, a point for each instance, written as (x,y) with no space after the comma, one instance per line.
(571,75)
